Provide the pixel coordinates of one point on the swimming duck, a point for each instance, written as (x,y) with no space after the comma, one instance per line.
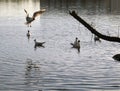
(38,43)
(35,14)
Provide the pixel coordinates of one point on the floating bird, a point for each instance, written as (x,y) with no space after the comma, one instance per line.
(76,41)
(39,44)
(28,34)
(76,44)
(96,38)
(35,14)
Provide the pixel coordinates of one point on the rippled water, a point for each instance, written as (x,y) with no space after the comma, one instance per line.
(59,67)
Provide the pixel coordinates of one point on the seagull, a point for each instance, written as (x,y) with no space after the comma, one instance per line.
(28,34)
(39,44)
(35,14)
(75,42)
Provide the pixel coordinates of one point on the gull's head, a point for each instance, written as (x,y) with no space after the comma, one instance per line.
(76,38)
(35,40)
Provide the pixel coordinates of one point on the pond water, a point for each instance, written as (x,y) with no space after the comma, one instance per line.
(58,67)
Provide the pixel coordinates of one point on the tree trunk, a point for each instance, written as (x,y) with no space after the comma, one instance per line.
(94,31)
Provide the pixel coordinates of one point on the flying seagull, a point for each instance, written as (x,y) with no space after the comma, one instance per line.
(35,14)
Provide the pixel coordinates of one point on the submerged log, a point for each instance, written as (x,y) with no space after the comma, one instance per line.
(94,31)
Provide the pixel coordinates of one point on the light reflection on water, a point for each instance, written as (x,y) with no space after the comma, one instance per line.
(60,67)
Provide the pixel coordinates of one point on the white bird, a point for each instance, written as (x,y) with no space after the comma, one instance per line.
(75,42)
(28,33)
(35,14)
(38,43)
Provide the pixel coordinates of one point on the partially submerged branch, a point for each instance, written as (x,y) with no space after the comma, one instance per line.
(94,31)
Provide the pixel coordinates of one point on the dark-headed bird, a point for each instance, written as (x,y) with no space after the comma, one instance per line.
(28,34)
(35,14)
(76,44)
(38,44)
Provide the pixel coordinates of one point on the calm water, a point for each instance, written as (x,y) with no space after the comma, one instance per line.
(59,67)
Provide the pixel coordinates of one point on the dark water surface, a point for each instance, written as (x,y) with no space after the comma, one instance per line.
(59,67)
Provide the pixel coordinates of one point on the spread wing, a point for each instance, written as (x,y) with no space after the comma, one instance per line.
(38,12)
(26,11)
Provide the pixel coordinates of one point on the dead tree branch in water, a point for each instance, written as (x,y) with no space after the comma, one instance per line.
(94,31)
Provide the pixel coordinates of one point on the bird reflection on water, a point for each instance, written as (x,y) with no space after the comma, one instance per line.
(32,72)
(62,69)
